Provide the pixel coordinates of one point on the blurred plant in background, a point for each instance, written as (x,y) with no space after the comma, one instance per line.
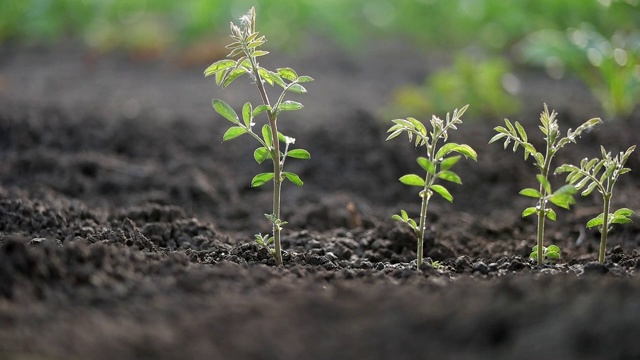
(609,66)
(600,47)
(488,84)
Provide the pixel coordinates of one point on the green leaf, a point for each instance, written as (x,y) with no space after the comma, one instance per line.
(266,135)
(293,178)
(442,192)
(260,179)
(544,182)
(260,109)
(246,114)
(565,190)
(397,217)
(596,221)
(426,164)
(261,154)
(412,180)
(226,111)
(233,132)
(290,105)
(562,200)
(533,255)
(447,163)
(266,75)
(445,149)
(282,138)
(233,75)
(553,248)
(521,132)
(404,214)
(449,176)
(219,66)
(528,211)
(531,193)
(304,79)
(299,154)
(624,212)
(552,255)
(589,189)
(497,137)
(466,150)
(620,220)
(551,214)
(258,53)
(287,73)
(298,89)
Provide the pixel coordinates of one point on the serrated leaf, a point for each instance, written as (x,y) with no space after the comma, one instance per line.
(247,114)
(226,111)
(233,132)
(267,135)
(551,214)
(261,154)
(299,154)
(290,105)
(294,178)
(450,176)
(528,211)
(261,179)
(412,180)
(531,193)
(442,191)
(426,164)
(219,66)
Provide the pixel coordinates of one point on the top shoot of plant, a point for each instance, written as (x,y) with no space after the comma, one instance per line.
(563,197)
(588,174)
(246,47)
(436,164)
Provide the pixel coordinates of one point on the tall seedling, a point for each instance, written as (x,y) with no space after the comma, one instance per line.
(246,49)
(563,197)
(436,163)
(601,174)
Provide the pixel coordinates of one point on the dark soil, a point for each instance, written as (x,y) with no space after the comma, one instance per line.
(126,225)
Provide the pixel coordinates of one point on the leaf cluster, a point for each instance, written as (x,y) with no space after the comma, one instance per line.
(600,174)
(551,252)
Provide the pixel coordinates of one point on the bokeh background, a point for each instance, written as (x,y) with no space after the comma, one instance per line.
(595,42)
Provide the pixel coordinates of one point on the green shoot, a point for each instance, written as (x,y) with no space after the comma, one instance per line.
(246,48)
(436,164)
(563,197)
(601,174)
(551,252)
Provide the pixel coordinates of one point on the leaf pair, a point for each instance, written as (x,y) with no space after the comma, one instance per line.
(552,252)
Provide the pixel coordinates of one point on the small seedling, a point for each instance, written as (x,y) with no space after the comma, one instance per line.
(601,174)
(246,48)
(551,252)
(436,164)
(563,197)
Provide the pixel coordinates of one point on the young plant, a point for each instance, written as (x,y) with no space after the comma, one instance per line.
(246,48)
(601,174)
(563,197)
(437,164)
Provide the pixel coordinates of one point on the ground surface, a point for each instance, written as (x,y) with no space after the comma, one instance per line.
(126,225)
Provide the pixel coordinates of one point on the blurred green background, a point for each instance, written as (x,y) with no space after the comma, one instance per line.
(597,41)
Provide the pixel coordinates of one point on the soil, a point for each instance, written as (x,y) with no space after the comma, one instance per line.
(126,226)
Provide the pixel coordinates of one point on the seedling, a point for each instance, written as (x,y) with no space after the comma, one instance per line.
(551,252)
(601,174)
(246,48)
(563,197)
(436,164)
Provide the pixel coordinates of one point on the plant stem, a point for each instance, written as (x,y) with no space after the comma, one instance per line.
(605,227)
(423,225)
(542,212)
(277,166)
(541,215)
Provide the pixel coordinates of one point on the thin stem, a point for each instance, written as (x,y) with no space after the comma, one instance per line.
(605,227)
(423,225)
(275,157)
(543,204)
(541,215)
